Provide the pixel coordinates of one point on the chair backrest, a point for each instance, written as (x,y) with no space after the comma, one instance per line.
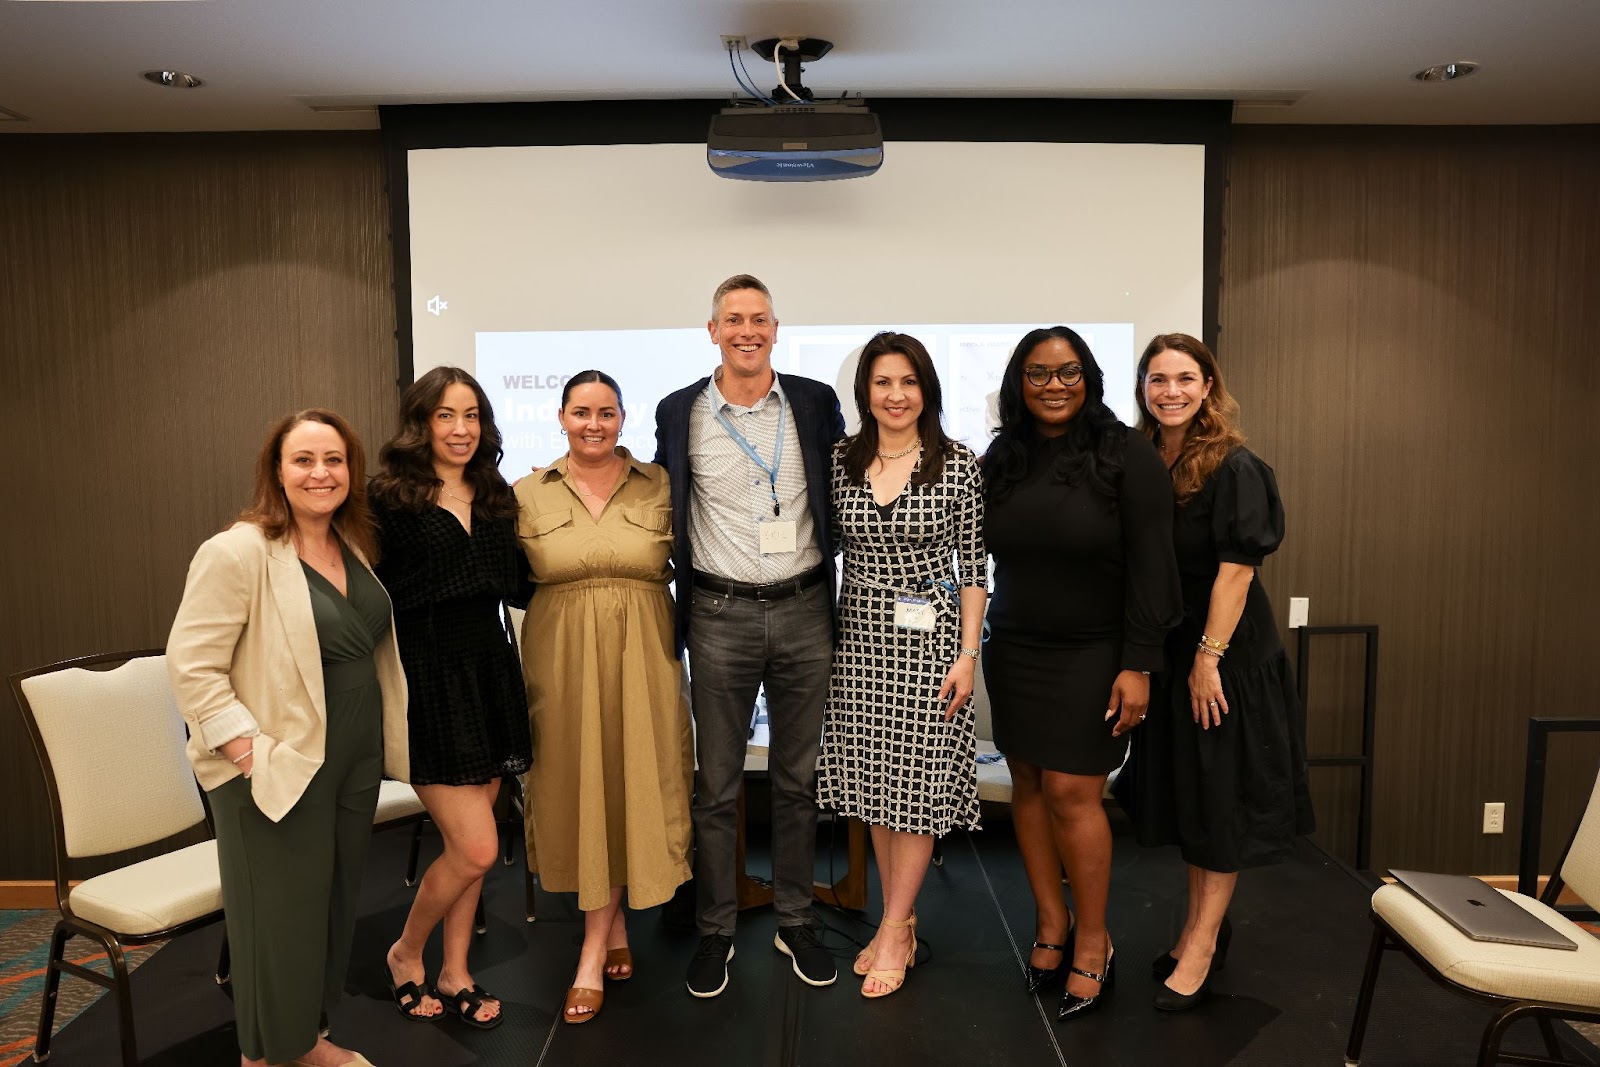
(111,744)
(1580,867)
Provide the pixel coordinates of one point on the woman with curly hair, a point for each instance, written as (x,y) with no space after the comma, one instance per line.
(1224,772)
(447,528)
(1079,521)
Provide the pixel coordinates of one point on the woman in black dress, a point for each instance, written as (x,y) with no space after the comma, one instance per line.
(1078,520)
(1231,726)
(447,532)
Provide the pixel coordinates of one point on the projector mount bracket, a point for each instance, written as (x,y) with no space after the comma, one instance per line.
(794,53)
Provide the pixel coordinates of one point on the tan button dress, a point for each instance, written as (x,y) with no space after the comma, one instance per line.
(608,790)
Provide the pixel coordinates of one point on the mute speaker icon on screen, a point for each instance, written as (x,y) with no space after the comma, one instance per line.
(438,304)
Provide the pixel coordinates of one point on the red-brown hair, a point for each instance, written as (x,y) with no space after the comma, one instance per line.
(269,508)
(1215,430)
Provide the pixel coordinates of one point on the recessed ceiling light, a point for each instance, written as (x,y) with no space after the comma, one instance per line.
(173,79)
(1445,72)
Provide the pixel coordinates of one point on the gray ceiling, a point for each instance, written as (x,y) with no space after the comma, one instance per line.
(74,65)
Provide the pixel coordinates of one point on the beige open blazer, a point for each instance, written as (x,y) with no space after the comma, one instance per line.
(243,654)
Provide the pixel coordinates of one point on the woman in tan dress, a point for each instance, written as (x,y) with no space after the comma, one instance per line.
(604,689)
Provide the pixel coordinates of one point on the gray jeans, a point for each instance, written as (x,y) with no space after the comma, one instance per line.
(735,646)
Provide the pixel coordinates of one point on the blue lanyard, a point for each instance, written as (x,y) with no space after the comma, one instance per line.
(749,449)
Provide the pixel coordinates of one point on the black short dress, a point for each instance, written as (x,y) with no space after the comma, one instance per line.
(1085,586)
(1233,796)
(468,712)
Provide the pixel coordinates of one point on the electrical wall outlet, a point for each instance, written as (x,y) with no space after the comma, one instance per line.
(733,42)
(1494,818)
(1299,611)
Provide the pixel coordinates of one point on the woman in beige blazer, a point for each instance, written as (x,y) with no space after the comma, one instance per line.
(283,661)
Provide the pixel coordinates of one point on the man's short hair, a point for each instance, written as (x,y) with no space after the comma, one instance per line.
(738,281)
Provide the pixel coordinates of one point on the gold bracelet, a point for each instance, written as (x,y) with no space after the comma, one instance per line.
(1212,643)
(1208,650)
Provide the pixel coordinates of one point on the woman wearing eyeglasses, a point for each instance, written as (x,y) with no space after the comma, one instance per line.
(1079,522)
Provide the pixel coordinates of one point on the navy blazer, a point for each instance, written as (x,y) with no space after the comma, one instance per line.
(819,423)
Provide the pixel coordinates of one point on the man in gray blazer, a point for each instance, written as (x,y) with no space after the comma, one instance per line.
(748,452)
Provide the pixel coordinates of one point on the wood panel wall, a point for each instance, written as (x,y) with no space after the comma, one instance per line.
(162,299)
(1409,319)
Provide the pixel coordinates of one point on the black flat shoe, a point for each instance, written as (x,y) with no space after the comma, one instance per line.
(1169,999)
(1042,978)
(1162,966)
(1072,1006)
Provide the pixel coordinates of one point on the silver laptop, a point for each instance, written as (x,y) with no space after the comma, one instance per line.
(1478,910)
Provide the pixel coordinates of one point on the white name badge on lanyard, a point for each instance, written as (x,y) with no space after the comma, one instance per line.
(777,535)
(914,612)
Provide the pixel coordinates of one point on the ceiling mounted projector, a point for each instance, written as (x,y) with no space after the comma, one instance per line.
(787,137)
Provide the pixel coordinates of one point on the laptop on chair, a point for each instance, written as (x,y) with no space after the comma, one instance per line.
(1478,910)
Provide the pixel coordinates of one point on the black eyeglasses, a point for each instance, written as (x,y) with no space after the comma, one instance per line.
(1039,377)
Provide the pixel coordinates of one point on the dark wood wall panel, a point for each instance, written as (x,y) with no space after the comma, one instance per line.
(163,299)
(1409,319)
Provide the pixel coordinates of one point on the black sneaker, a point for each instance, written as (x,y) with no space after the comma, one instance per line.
(812,963)
(708,971)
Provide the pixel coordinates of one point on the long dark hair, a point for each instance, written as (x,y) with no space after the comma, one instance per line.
(269,508)
(1215,430)
(860,449)
(405,479)
(1095,440)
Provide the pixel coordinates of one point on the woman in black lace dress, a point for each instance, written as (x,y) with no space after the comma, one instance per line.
(450,560)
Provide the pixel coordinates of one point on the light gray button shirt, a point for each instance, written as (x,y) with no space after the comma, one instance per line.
(730,494)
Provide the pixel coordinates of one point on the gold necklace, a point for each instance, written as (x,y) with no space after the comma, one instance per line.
(446,490)
(305,550)
(903,452)
(579,482)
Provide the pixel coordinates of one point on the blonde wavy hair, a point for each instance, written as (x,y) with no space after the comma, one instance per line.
(1215,430)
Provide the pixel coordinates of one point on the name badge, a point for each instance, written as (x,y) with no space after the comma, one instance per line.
(777,535)
(914,612)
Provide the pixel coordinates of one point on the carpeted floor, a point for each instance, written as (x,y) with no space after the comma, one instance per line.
(24,944)
(1285,998)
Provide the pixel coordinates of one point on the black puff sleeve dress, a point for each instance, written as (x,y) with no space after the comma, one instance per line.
(1233,796)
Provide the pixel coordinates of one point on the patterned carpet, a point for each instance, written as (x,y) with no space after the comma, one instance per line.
(24,945)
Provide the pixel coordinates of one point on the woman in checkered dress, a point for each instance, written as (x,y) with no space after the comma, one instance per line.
(897,742)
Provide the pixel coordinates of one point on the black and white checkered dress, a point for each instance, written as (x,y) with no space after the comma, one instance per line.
(888,756)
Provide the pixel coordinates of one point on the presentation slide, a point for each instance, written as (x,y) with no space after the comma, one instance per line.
(524,372)
(529,263)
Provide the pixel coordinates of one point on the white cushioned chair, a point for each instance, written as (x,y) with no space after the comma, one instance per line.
(111,746)
(1529,982)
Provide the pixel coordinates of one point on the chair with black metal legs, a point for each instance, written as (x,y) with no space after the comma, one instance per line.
(111,745)
(1542,984)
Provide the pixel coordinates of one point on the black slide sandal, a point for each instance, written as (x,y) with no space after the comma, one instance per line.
(467,1002)
(407,997)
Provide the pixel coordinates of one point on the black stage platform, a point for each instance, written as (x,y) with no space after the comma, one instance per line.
(1301,933)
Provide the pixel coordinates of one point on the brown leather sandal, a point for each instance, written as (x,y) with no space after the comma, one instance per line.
(589,999)
(617,958)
